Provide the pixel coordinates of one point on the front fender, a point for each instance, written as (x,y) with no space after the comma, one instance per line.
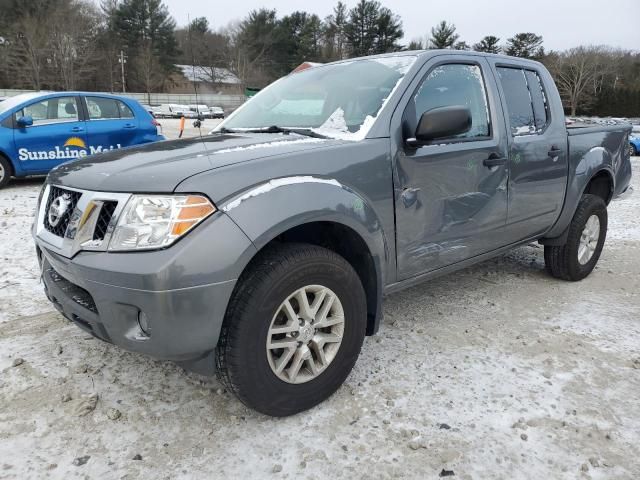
(269,209)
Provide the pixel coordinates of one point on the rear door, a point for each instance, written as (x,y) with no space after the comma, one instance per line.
(451,194)
(111,124)
(58,134)
(537,151)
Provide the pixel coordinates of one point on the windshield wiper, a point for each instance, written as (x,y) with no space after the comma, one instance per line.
(307,132)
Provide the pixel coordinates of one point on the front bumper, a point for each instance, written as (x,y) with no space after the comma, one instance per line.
(182,291)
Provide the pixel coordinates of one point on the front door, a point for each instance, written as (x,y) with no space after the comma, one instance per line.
(56,136)
(451,194)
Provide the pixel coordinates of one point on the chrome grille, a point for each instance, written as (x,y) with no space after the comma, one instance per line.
(102,225)
(56,192)
(87,223)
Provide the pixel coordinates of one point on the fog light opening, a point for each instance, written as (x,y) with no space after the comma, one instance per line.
(143,324)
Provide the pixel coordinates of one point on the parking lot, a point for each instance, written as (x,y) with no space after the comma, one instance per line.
(497,370)
(170,127)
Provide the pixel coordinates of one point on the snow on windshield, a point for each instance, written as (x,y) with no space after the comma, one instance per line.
(336,126)
(341,100)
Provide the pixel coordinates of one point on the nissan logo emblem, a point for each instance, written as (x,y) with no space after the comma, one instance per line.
(58,209)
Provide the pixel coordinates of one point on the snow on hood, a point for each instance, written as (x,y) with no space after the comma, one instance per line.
(277,143)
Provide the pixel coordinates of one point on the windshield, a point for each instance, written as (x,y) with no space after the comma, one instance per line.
(339,100)
(12,102)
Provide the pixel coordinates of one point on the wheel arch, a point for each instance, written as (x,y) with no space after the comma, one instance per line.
(347,243)
(12,168)
(326,214)
(588,169)
(601,184)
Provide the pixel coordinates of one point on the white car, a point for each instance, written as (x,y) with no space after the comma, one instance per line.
(216,112)
(201,110)
(186,111)
(174,110)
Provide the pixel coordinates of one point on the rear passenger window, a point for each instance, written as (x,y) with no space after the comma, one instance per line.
(125,112)
(101,108)
(538,99)
(456,85)
(516,92)
(527,106)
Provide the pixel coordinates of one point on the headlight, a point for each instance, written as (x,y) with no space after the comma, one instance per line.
(156,221)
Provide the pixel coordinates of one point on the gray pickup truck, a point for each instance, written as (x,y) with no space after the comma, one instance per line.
(263,250)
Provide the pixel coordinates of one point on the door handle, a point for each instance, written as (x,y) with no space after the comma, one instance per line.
(494,161)
(129,125)
(555,152)
(77,129)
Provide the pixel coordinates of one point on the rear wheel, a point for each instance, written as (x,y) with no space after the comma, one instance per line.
(587,233)
(633,151)
(5,171)
(293,330)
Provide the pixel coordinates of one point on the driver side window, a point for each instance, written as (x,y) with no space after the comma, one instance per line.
(456,85)
(52,110)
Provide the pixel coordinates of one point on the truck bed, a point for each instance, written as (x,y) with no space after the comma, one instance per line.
(584,128)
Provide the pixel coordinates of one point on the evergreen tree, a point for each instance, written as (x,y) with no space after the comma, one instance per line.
(488,44)
(443,35)
(415,45)
(362,29)
(298,39)
(254,45)
(525,45)
(334,33)
(148,31)
(199,25)
(389,31)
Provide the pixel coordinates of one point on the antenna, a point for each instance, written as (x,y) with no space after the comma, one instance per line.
(198,122)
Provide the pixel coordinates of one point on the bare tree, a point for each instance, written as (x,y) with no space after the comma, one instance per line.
(30,51)
(580,73)
(148,68)
(108,42)
(73,28)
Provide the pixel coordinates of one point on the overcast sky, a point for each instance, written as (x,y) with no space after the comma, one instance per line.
(562,23)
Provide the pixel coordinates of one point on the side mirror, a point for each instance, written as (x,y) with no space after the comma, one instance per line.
(441,122)
(25,121)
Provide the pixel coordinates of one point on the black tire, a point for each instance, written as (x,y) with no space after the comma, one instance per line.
(5,171)
(241,357)
(633,150)
(562,261)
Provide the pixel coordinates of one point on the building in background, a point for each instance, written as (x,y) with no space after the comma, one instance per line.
(206,79)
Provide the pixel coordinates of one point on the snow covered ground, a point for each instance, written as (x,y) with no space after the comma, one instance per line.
(496,372)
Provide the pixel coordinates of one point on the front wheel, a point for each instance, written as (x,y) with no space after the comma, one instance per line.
(293,330)
(587,232)
(633,151)
(5,171)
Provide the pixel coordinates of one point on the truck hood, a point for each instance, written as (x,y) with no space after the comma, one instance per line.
(161,166)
